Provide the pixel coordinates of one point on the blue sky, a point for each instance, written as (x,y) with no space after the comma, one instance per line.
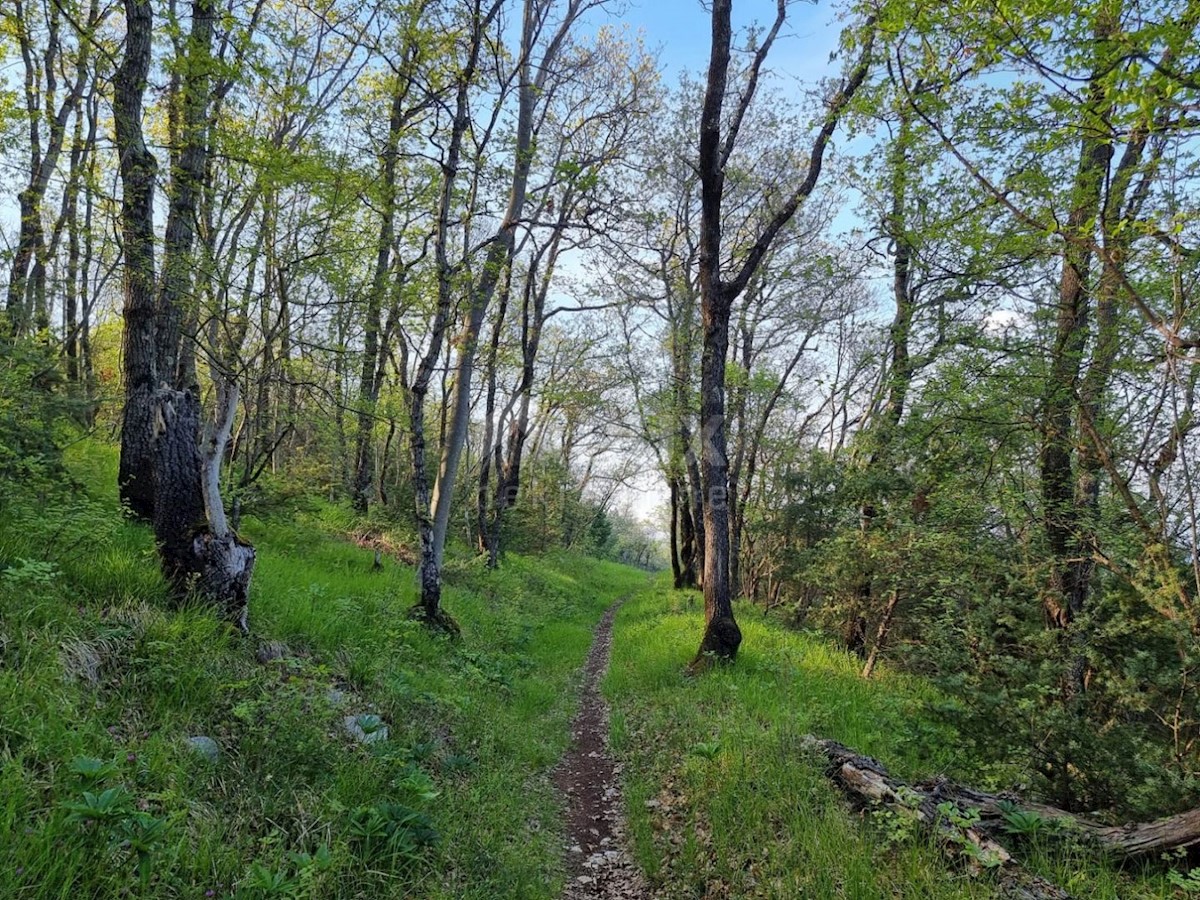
(680,30)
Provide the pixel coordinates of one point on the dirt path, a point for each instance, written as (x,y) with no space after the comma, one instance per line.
(598,865)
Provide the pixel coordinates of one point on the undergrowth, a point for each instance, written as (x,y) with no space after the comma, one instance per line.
(147,751)
(726,801)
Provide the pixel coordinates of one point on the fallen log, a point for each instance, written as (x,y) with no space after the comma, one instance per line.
(957,829)
(1127,841)
(867,782)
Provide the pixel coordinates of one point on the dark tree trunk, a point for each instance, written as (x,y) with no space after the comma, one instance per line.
(676,568)
(693,535)
(369,382)
(176,304)
(1069,583)
(71,275)
(201,557)
(138,169)
(688,555)
(717,141)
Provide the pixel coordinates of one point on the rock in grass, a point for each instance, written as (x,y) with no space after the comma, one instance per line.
(204,746)
(365,728)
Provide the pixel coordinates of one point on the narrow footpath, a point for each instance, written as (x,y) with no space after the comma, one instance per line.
(598,865)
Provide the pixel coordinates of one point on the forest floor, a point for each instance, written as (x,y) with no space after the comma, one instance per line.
(148,751)
(599,864)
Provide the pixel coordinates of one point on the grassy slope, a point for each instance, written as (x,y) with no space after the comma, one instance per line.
(485,720)
(738,808)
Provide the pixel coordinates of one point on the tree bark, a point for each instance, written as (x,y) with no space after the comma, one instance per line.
(867,782)
(676,568)
(717,142)
(138,169)
(369,383)
(429,572)
(175,360)
(201,557)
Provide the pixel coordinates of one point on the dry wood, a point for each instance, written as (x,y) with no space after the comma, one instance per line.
(867,781)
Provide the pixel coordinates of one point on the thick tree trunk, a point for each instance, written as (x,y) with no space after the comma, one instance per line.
(201,557)
(722,637)
(138,170)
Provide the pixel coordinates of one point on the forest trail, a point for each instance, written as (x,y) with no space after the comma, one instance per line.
(599,866)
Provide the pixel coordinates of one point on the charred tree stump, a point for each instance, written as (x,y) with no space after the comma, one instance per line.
(201,556)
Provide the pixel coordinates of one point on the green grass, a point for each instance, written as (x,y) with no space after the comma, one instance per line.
(94,663)
(740,808)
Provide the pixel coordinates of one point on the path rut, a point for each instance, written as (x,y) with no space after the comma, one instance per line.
(598,865)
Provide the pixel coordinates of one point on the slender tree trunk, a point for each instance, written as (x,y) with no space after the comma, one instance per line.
(369,385)
(676,569)
(694,536)
(881,635)
(26,298)
(176,356)
(71,275)
(429,571)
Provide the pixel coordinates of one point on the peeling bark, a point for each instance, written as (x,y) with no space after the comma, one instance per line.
(201,556)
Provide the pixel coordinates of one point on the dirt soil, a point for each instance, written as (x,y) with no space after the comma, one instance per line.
(598,865)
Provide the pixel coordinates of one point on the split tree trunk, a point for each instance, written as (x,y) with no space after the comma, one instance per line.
(201,556)
(718,139)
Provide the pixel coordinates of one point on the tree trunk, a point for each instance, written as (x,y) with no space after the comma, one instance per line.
(26,302)
(138,170)
(369,384)
(881,635)
(429,573)
(201,557)
(721,633)
(175,360)
(676,569)
(693,537)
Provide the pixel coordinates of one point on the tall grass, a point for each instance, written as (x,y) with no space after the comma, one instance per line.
(725,800)
(96,665)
